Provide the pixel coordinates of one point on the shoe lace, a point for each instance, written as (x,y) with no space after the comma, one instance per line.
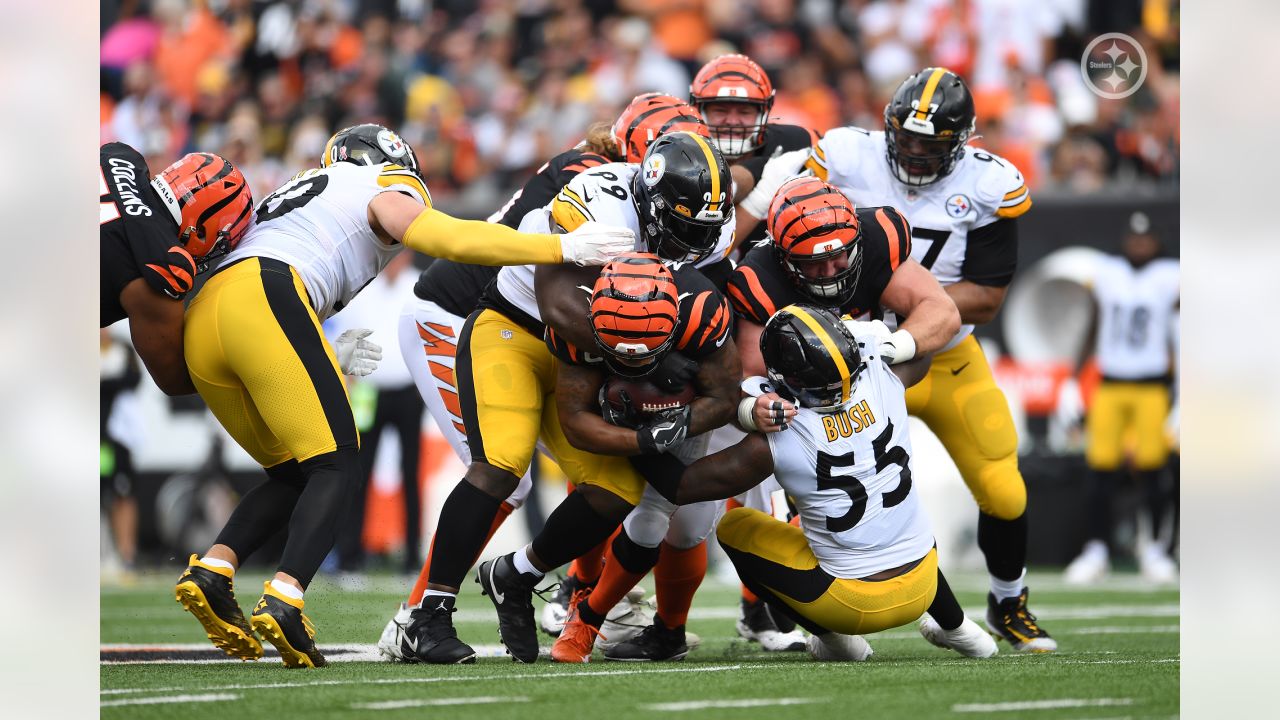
(1017,612)
(309,626)
(551,590)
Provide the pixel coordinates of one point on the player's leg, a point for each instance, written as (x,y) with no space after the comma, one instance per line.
(961,403)
(1105,426)
(406,411)
(1151,408)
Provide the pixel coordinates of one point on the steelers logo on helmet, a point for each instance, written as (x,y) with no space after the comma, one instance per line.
(391,144)
(654,167)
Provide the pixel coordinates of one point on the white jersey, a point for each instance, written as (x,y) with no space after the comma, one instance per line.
(1136,309)
(982,189)
(849,474)
(318,223)
(602,194)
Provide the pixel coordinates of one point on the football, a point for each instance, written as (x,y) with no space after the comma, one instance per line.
(646,397)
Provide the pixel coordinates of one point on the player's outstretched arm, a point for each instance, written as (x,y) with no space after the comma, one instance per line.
(730,472)
(577,390)
(155,324)
(434,233)
(931,316)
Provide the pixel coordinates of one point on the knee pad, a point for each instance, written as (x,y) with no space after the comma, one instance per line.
(632,557)
(1000,491)
(986,413)
(647,524)
(691,524)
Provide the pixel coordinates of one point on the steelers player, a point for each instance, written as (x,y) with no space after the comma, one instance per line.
(1137,296)
(156,236)
(447,292)
(963,204)
(256,353)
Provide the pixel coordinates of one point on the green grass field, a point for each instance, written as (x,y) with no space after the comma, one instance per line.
(1118,658)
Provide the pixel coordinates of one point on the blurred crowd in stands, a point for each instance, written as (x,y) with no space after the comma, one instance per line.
(486,90)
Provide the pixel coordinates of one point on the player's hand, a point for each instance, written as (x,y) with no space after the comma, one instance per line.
(596,244)
(666,430)
(357,356)
(861,328)
(673,372)
(776,172)
(622,417)
(772,413)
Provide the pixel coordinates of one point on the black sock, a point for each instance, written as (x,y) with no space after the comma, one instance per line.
(572,529)
(1102,484)
(332,481)
(1175,492)
(263,511)
(632,557)
(465,520)
(1154,493)
(946,610)
(1004,543)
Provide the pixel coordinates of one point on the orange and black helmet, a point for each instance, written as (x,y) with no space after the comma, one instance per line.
(736,79)
(211,202)
(634,311)
(647,117)
(811,357)
(811,221)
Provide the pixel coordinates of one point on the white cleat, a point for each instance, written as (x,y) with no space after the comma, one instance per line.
(391,644)
(1090,566)
(970,640)
(625,620)
(834,647)
(756,623)
(1157,566)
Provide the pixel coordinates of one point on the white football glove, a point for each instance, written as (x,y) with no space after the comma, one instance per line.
(594,243)
(776,172)
(357,356)
(859,328)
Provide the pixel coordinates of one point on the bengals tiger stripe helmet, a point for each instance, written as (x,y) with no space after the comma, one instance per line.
(815,228)
(736,79)
(648,116)
(811,356)
(634,311)
(927,124)
(211,202)
(369,144)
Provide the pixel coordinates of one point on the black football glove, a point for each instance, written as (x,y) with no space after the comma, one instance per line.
(665,430)
(673,372)
(628,416)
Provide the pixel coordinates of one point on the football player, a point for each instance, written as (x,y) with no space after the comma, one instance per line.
(863,559)
(257,356)
(447,292)
(640,311)
(963,204)
(157,235)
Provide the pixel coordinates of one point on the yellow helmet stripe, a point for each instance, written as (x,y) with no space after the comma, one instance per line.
(328,148)
(829,344)
(714,205)
(922,110)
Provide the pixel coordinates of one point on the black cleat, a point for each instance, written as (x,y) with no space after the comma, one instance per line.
(1010,620)
(206,592)
(431,637)
(656,643)
(280,621)
(512,596)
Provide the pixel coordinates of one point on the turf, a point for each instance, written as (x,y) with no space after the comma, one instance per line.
(1119,651)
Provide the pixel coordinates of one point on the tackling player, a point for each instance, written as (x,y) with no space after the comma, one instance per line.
(156,236)
(258,357)
(963,204)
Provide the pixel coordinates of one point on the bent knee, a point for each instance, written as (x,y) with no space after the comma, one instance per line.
(1002,493)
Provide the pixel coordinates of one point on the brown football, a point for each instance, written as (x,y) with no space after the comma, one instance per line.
(646,397)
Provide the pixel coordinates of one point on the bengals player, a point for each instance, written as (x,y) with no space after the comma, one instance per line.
(156,236)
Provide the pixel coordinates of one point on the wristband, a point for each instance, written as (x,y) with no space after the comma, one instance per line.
(904,346)
(746,414)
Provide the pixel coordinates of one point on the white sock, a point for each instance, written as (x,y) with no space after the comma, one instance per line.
(523,565)
(286,589)
(215,562)
(1004,589)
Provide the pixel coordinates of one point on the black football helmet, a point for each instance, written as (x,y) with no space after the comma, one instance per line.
(369,144)
(927,125)
(811,357)
(684,195)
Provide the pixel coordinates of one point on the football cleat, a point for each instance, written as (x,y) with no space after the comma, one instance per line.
(625,620)
(512,595)
(391,645)
(1090,566)
(1156,565)
(556,610)
(656,643)
(969,639)
(835,647)
(431,637)
(280,621)
(756,623)
(206,592)
(578,637)
(1010,620)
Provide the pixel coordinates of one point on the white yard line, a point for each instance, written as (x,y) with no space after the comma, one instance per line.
(437,702)
(1040,705)
(707,704)
(211,697)
(1124,630)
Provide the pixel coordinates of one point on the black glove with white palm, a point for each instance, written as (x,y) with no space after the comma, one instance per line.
(664,430)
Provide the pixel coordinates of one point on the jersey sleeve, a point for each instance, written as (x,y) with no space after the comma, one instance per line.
(705,319)
(148,230)
(991,254)
(886,244)
(566,351)
(835,156)
(543,186)
(755,288)
(173,273)
(569,207)
(1000,190)
(399,179)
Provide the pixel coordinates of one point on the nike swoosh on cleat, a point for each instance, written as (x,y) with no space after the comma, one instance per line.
(412,642)
(497,596)
(956,371)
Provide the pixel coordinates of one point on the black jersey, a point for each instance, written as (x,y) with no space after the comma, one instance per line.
(777,138)
(760,286)
(457,287)
(704,323)
(139,236)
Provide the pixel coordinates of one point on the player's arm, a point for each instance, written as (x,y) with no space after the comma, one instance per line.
(931,315)
(747,335)
(913,370)
(730,472)
(990,258)
(155,326)
(434,233)
(562,305)
(577,393)
(719,375)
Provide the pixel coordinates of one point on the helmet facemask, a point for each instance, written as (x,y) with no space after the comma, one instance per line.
(672,236)
(830,289)
(734,141)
